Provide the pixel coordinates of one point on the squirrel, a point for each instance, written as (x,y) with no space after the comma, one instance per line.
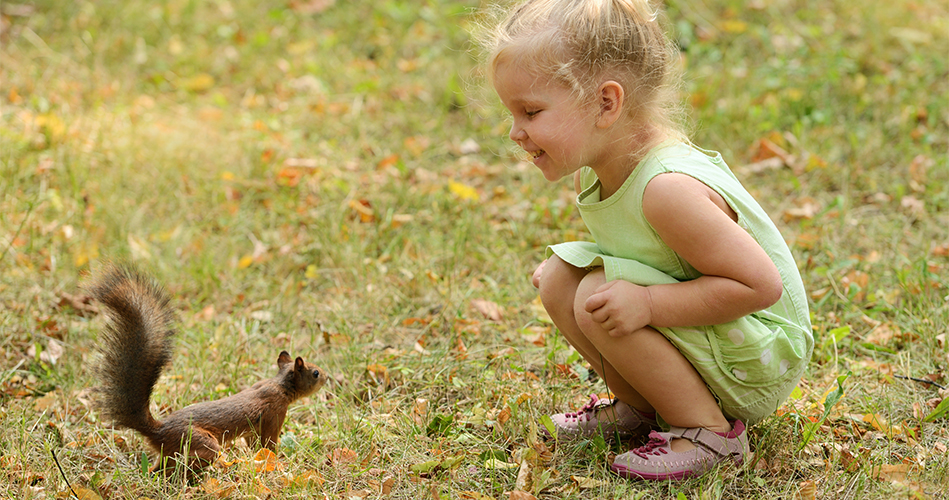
(136,346)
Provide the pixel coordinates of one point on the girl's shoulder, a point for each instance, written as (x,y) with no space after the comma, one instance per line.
(674,155)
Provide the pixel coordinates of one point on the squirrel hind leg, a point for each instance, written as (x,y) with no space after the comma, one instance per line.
(192,457)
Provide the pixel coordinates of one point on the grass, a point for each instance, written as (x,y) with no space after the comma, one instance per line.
(333,179)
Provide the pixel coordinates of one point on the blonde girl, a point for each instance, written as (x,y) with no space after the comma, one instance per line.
(688,303)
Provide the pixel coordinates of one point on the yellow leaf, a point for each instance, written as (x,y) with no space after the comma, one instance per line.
(198,83)
(85,253)
(80,493)
(495,464)
(797,393)
(52,125)
(245,262)
(734,26)
(463,191)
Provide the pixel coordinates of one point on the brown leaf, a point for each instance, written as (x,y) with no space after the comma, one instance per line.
(806,208)
(363,210)
(521,495)
(420,411)
(462,353)
(311,6)
(504,415)
(473,495)
(81,303)
(342,456)
(387,484)
(213,486)
(913,206)
(488,309)
(941,250)
(890,472)
(918,173)
(767,149)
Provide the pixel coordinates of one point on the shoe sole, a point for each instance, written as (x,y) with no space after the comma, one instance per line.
(629,473)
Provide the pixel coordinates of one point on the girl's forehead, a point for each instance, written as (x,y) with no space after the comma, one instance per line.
(521,75)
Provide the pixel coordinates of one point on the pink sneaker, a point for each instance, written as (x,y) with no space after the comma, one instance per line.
(627,421)
(657,461)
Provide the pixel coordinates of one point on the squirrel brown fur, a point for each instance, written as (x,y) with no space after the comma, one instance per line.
(136,346)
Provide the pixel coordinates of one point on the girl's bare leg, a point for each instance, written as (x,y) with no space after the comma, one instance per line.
(558,288)
(651,367)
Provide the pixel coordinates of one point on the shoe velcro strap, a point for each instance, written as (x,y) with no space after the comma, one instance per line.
(708,439)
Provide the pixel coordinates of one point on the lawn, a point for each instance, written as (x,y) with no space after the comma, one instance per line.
(334,179)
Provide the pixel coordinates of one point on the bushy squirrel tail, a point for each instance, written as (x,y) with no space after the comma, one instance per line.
(134,347)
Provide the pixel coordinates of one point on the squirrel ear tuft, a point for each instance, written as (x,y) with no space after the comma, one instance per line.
(283,358)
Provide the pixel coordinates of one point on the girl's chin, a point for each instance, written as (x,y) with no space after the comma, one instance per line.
(550,174)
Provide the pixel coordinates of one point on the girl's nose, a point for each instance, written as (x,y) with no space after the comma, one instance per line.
(517,133)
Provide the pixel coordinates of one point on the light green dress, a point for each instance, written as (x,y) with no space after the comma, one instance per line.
(751,364)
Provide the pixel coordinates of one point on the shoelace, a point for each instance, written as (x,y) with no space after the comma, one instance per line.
(586,410)
(653,446)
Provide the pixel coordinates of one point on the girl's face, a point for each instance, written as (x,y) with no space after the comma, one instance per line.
(549,123)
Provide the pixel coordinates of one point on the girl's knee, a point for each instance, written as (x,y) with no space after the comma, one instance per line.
(558,281)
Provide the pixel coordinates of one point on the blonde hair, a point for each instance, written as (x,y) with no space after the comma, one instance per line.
(582,43)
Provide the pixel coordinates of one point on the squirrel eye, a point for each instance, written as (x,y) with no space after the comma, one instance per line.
(316,374)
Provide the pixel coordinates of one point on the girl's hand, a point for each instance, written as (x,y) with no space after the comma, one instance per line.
(620,307)
(535,279)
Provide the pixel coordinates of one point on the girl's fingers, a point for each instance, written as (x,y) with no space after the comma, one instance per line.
(595,301)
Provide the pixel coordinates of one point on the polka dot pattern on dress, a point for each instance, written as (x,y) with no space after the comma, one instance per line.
(783,366)
(737,336)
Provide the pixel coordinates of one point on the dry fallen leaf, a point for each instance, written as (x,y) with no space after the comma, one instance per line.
(266,461)
(806,208)
(214,487)
(890,472)
(342,456)
(311,6)
(913,206)
(586,483)
(81,303)
(473,495)
(488,309)
(807,490)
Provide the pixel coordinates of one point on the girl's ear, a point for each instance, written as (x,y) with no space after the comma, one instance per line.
(610,97)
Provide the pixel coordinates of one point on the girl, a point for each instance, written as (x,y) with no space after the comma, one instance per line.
(689,303)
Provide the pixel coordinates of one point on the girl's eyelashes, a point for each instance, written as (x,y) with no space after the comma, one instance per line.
(531,113)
